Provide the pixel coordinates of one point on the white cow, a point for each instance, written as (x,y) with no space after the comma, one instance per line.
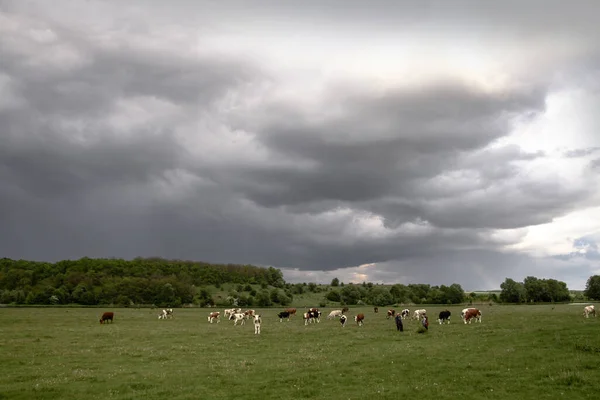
(166,313)
(589,310)
(334,313)
(343,320)
(237,317)
(257,322)
(418,314)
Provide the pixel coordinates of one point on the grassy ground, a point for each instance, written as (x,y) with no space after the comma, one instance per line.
(518,352)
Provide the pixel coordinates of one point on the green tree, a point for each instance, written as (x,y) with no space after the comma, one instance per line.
(335,282)
(512,291)
(592,288)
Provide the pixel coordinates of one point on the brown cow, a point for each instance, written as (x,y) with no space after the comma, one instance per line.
(375,310)
(391,313)
(470,314)
(345,310)
(107,316)
(359,319)
(214,316)
(292,311)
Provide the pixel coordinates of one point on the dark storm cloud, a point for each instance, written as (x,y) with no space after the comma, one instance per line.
(117,140)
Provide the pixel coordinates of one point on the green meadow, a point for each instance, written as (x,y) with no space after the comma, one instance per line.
(517,352)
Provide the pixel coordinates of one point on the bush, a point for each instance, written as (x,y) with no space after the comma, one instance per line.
(323,304)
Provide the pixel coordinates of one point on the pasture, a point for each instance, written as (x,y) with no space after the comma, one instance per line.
(520,352)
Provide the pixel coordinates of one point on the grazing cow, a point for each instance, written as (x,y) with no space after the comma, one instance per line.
(405,313)
(168,313)
(375,310)
(589,310)
(343,320)
(399,325)
(257,322)
(359,319)
(345,310)
(237,317)
(334,313)
(292,311)
(313,309)
(444,316)
(464,311)
(284,314)
(470,314)
(418,314)
(390,313)
(214,316)
(229,312)
(249,313)
(107,316)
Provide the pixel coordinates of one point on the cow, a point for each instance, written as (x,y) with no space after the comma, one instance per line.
(390,313)
(399,325)
(311,316)
(444,316)
(345,310)
(359,319)
(292,311)
(463,312)
(257,322)
(237,317)
(249,313)
(284,314)
(107,316)
(214,316)
(313,309)
(405,313)
(168,312)
(343,320)
(375,310)
(229,312)
(334,313)
(589,310)
(470,314)
(418,314)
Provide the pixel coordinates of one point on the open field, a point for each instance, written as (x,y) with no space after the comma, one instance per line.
(519,352)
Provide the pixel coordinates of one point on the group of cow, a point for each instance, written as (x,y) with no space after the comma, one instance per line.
(236,315)
(467,315)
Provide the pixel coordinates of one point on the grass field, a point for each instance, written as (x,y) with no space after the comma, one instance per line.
(517,352)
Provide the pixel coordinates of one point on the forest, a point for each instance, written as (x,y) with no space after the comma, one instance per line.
(161,282)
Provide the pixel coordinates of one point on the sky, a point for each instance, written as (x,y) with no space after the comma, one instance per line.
(405,142)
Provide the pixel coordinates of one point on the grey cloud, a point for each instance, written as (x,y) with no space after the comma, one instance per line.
(75,185)
(576,153)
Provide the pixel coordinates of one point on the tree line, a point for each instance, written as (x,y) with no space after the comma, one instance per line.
(90,281)
(173,283)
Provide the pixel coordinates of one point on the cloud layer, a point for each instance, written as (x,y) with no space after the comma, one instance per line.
(443,151)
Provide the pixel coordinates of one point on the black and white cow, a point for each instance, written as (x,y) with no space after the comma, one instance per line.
(444,316)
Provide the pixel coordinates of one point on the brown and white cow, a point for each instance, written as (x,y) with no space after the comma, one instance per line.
(375,310)
(391,313)
(214,316)
(249,313)
(359,318)
(470,314)
(405,313)
(107,316)
(589,310)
